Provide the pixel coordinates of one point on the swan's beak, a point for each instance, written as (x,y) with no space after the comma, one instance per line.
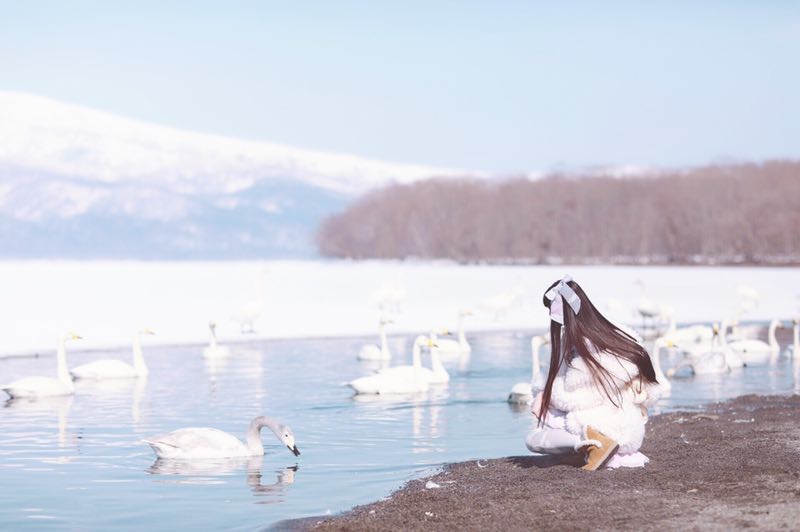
(148,331)
(74,336)
(670,343)
(295,450)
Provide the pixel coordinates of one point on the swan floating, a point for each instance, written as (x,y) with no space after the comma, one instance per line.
(706,359)
(524,392)
(372,351)
(449,346)
(46,386)
(398,379)
(214,350)
(757,351)
(111,368)
(199,443)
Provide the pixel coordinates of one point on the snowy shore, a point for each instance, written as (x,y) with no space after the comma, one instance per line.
(107,301)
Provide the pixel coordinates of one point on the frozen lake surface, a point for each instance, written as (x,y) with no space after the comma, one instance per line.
(107,301)
(78,463)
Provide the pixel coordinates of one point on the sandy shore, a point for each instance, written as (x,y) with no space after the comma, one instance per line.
(735,465)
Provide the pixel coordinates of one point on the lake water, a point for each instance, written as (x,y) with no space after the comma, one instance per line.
(78,463)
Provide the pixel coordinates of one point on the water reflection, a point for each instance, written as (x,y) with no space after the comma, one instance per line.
(211,472)
(41,412)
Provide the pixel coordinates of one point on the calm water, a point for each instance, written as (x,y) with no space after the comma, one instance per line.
(77,462)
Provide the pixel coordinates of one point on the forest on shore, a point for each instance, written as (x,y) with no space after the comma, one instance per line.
(724,214)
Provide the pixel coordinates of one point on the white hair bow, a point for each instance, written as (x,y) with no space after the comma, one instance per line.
(568,294)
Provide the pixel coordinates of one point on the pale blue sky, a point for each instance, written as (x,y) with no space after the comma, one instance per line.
(498,86)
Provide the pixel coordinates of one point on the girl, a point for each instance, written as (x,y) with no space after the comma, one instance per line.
(598,388)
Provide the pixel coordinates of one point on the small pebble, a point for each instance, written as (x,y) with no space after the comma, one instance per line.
(429,514)
(431,485)
(693,490)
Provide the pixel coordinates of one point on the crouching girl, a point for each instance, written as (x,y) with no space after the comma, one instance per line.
(599,386)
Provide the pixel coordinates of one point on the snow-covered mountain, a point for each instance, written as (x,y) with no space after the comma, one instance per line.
(79,182)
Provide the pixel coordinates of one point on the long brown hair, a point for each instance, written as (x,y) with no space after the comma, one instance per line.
(590,331)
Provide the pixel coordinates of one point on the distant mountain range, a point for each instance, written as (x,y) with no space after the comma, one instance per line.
(76,182)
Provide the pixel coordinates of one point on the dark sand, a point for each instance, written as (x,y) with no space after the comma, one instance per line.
(736,465)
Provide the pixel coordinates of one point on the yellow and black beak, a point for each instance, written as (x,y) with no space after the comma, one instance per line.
(295,450)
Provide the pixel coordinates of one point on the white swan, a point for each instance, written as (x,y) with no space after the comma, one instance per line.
(111,368)
(214,350)
(757,351)
(705,359)
(524,392)
(398,379)
(732,358)
(198,443)
(46,386)
(448,346)
(372,351)
(691,334)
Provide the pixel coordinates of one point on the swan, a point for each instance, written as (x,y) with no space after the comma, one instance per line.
(524,392)
(398,379)
(213,350)
(372,351)
(198,443)
(687,335)
(757,351)
(111,368)
(449,346)
(46,386)
(705,360)
(732,358)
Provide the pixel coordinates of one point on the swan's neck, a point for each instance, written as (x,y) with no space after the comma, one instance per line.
(138,359)
(796,340)
(213,343)
(656,359)
(61,360)
(436,362)
(773,342)
(722,337)
(416,361)
(384,341)
(254,444)
(672,325)
(462,338)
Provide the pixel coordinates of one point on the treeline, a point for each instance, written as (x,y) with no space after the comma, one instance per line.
(747,213)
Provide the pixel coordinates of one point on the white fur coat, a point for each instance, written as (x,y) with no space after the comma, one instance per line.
(583,402)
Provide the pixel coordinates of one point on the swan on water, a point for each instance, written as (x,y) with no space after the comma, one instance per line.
(757,351)
(372,351)
(398,379)
(198,443)
(111,368)
(705,359)
(732,358)
(46,386)
(690,334)
(214,350)
(524,392)
(448,346)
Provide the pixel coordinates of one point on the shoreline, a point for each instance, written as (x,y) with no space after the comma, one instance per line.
(733,464)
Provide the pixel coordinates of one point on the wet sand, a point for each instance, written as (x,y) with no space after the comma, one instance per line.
(734,465)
